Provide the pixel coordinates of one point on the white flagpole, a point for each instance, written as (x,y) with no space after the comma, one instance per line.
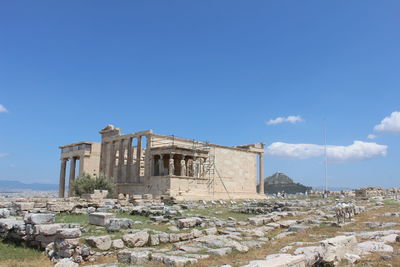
(326,161)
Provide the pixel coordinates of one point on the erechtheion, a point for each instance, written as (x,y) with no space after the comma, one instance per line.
(149,163)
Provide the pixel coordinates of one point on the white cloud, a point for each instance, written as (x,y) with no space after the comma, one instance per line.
(290,119)
(371,136)
(359,150)
(3,155)
(3,108)
(300,151)
(389,124)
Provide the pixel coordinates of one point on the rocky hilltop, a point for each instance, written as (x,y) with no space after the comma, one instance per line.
(280,182)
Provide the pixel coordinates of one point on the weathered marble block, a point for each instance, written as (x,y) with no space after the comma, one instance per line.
(23,206)
(100,218)
(189,222)
(47,229)
(69,233)
(39,218)
(279,260)
(99,242)
(60,206)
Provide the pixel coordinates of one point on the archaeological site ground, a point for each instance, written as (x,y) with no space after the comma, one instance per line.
(349,228)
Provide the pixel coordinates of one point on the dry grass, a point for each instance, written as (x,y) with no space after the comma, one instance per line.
(106,259)
(41,261)
(316,234)
(17,255)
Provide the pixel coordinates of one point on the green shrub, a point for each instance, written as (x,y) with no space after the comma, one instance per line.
(86,184)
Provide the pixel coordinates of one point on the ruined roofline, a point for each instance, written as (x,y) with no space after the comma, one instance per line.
(78,143)
(256,145)
(120,136)
(252,148)
(109,128)
(237,148)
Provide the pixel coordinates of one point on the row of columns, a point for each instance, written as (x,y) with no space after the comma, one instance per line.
(72,175)
(122,145)
(190,168)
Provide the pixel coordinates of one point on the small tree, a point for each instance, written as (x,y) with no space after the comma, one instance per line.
(86,184)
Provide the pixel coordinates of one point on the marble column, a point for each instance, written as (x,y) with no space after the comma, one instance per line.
(148,157)
(61,191)
(103,158)
(121,161)
(111,162)
(161,165)
(261,173)
(81,165)
(138,157)
(71,176)
(151,166)
(129,161)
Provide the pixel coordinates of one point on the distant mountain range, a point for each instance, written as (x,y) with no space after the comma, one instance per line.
(12,186)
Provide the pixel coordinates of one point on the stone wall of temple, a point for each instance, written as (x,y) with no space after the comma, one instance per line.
(90,164)
(234,176)
(153,185)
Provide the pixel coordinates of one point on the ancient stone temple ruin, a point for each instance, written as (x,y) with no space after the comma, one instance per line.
(148,163)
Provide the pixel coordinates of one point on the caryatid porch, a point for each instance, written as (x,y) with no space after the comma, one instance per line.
(180,161)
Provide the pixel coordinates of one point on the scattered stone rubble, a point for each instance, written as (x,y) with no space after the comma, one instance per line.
(191,238)
(368,192)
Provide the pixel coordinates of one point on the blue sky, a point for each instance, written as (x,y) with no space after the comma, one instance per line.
(209,70)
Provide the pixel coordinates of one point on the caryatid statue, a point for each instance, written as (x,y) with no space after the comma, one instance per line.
(196,168)
(201,171)
(171,168)
(190,167)
(183,167)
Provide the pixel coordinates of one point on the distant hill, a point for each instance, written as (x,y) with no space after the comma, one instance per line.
(12,186)
(278,178)
(280,182)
